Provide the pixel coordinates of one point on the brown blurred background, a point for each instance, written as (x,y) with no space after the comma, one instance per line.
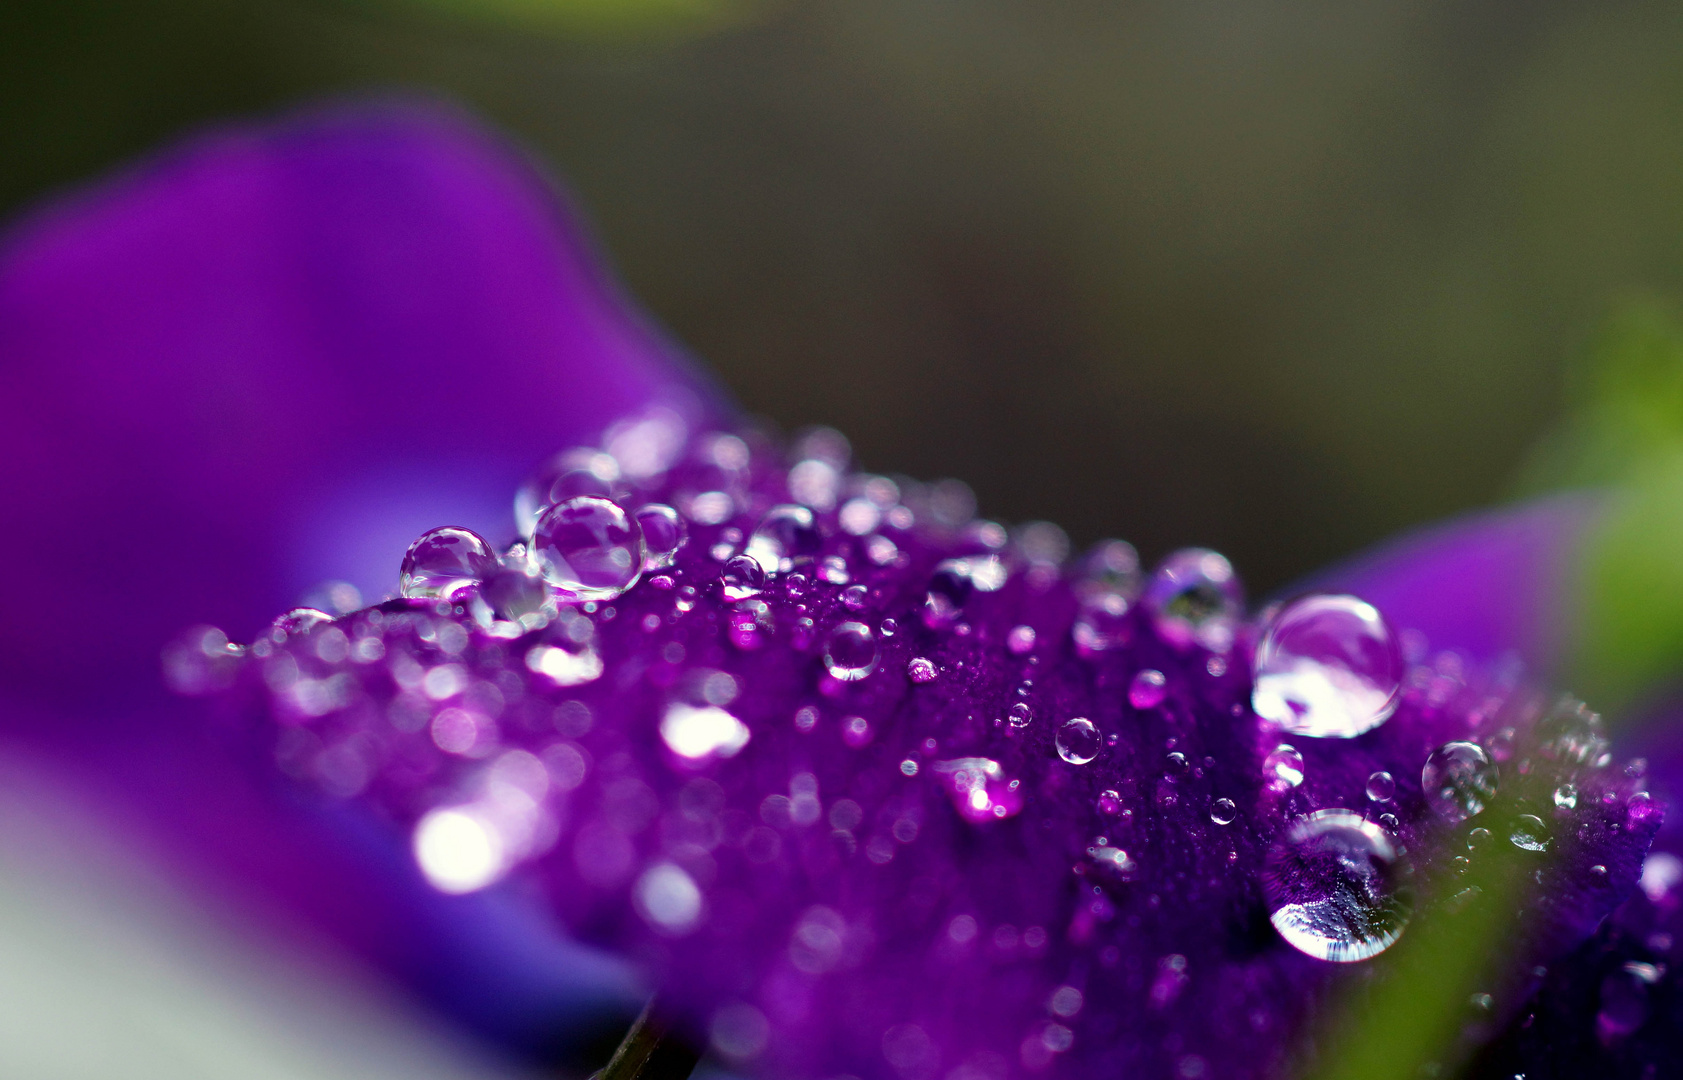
(1282,277)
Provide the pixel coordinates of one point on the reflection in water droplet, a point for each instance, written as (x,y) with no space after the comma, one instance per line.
(587,548)
(1381,787)
(444,562)
(1327,667)
(1148,689)
(1078,741)
(742,578)
(664,533)
(851,652)
(1020,715)
(921,670)
(955,581)
(1458,780)
(1223,812)
(787,533)
(1529,833)
(1282,769)
(511,603)
(1195,599)
(1336,887)
(979,789)
(1566,796)
(567,475)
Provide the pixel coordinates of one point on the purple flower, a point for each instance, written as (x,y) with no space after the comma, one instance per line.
(862,784)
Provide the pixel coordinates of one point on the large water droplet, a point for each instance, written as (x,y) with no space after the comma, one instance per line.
(921,670)
(664,533)
(1282,769)
(1223,812)
(1458,780)
(787,533)
(1078,741)
(1148,689)
(1529,833)
(954,582)
(1336,888)
(444,562)
(979,789)
(1327,667)
(742,578)
(850,654)
(1195,599)
(587,548)
(1381,786)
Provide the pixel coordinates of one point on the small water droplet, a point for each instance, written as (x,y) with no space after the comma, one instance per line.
(1566,796)
(1148,689)
(1282,769)
(1195,599)
(855,597)
(1020,715)
(1078,741)
(1336,887)
(787,533)
(955,581)
(1223,812)
(1101,622)
(1327,667)
(1479,839)
(1381,787)
(908,767)
(1389,822)
(921,670)
(299,621)
(1458,780)
(1109,803)
(587,548)
(742,578)
(850,654)
(1529,833)
(444,562)
(1175,765)
(664,533)
(1020,640)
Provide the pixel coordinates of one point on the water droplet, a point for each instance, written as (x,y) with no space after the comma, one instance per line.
(979,789)
(1111,566)
(1078,741)
(1327,667)
(955,581)
(1389,822)
(1624,1001)
(1020,640)
(1101,622)
(1479,839)
(1529,833)
(742,578)
(664,533)
(856,597)
(511,603)
(300,621)
(786,534)
(587,548)
(921,670)
(1113,861)
(1148,689)
(1175,765)
(1381,787)
(1282,769)
(1020,715)
(908,767)
(1458,780)
(850,654)
(1195,599)
(1109,803)
(1336,887)
(1566,796)
(1223,812)
(444,562)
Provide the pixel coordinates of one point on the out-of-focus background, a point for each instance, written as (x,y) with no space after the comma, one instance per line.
(1282,277)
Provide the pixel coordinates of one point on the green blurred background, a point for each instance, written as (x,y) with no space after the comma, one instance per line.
(1278,277)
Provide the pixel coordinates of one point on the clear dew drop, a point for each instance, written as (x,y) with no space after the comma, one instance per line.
(510,603)
(1381,787)
(1195,599)
(850,654)
(1336,887)
(1148,689)
(1566,796)
(1458,780)
(664,533)
(786,534)
(1327,667)
(567,475)
(742,578)
(955,581)
(1223,812)
(300,621)
(1078,741)
(444,562)
(587,548)
(1282,769)
(1529,833)
(921,670)
(1020,715)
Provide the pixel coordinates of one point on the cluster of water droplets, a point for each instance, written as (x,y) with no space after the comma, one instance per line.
(675,617)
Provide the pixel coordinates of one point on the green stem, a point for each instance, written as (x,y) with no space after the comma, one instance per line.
(649,1052)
